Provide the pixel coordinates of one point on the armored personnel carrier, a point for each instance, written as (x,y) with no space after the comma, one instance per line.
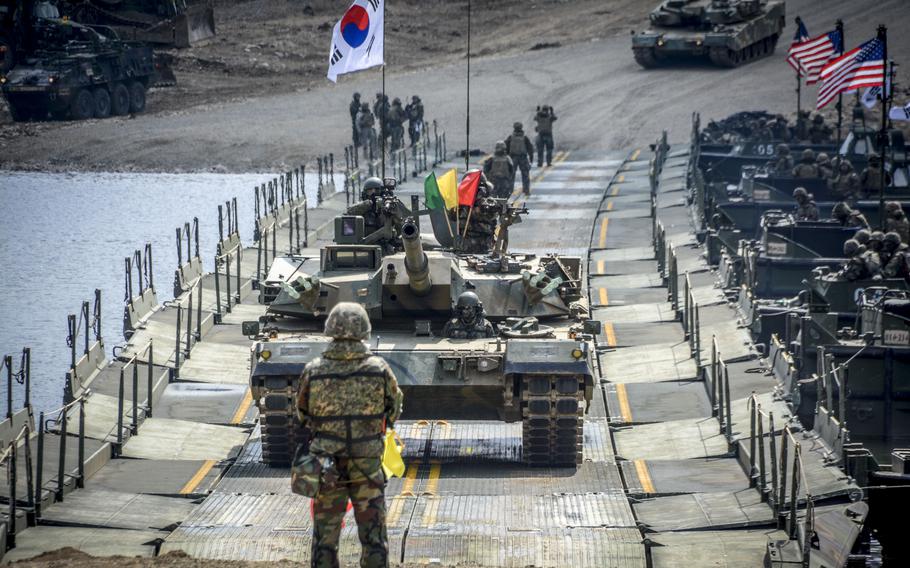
(537,367)
(729,32)
(68,70)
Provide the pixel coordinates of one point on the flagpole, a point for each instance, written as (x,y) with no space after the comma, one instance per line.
(467,222)
(839,26)
(382,119)
(883,134)
(467,149)
(799,94)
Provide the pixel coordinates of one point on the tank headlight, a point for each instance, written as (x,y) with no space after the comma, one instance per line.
(51,80)
(578,353)
(265,354)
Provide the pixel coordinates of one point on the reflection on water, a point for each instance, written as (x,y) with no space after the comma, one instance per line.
(63,235)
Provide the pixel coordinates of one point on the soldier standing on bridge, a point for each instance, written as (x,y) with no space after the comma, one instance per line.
(354,108)
(544,119)
(522,152)
(414,110)
(395,122)
(500,170)
(365,122)
(347,398)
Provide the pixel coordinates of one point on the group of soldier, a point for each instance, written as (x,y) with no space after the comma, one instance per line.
(764,127)
(516,154)
(839,173)
(388,119)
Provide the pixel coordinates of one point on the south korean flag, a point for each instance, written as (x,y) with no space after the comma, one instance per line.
(357,40)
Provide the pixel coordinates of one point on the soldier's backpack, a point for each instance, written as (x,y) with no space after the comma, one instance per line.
(517,145)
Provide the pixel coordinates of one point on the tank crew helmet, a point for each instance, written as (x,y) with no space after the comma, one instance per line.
(862,236)
(800,194)
(876,240)
(500,148)
(851,247)
(842,210)
(874,159)
(892,240)
(468,308)
(892,207)
(808,155)
(348,320)
(783,150)
(518,127)
(822,158)
(371,186)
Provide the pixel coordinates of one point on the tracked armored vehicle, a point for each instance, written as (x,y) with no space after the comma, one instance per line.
(537,368)
(728,32)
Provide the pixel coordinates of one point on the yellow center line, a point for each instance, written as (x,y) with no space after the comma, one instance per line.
(603,232)
(635,155)
(644,476)
(433,481)
(604,300)
(601,267)
(609,206)
(624,409)
(243,408)
(430,511)
(621,178)
(610,333)
(194,482)
(615,192)
(395,508)
(410,479)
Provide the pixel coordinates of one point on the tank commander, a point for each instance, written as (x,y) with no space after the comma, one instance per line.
(782,164)
(522,152)
(382,212)
(544,118)
(806,168)
(469,321)
(480,232)
(848,217)
(501,171)
(805,210)
(896,221)
(347,398)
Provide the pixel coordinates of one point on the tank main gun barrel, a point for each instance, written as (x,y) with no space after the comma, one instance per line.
(416,263)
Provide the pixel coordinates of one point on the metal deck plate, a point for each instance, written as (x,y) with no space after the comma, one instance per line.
(93,541)
(164,438)
(739,509)
(649,363)
(118,510)
(657,402)
(203,402)
(673,440)
(161,477)
(723,549)
(650,478)
(636,313)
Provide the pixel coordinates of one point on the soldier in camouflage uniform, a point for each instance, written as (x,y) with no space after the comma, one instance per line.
(894,257)
(501,171)
(824,166)
(805,210)
(896,221)
(782,164)
(395,122)
(469,321)
(806,167)
(871,178)
(383,215)
(819,132)
(354,109)
(480,233)
(845,181)
(414,111)
(855,267)
(347,398)
(365,123)
(848,217)
(544,119)
(522,152)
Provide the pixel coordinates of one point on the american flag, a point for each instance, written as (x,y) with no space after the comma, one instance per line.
(801,35)
(862,66)
(812,55)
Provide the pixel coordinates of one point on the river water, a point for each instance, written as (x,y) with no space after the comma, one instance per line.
(63,235)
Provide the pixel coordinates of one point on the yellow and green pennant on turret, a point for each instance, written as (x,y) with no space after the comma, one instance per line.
(441,193)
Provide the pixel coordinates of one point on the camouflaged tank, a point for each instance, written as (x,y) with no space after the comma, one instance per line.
(728,32)
(537,369)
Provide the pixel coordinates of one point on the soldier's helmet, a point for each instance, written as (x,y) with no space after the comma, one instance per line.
(892,207)
(415,99)
(822,158)
(468,308)
(518,127)
(356,96)
(800,193)
(845,166)
(348,320)
(783,150)
(500,148)
(851,247)
(841,210)
(862,236)
(874,159)
(876,240)
(818,119)
(808,155)
(364,107)
(396,101)
(371,186)
(389,184)
(892,240)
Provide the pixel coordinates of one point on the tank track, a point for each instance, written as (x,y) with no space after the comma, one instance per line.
(552,419)
(281,430)
(723,57)
(646,57)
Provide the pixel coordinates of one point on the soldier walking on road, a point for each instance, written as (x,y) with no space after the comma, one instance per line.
(365,122)
(354,109)
(500,170)
(347,398)
(395,123)
(381,112)
(544,119)
(522,152)
(414,111)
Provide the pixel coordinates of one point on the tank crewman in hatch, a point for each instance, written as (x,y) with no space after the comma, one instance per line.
(347,398)
(480,233)
(806,168)
(469,321)
(522,152)
(382,212)
(500,170)
(544,119)
(354,109)
(805,210)
(782,164)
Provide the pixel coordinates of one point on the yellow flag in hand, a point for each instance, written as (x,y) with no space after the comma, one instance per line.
(392,464)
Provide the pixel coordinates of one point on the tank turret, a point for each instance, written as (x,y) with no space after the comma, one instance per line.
(416,263)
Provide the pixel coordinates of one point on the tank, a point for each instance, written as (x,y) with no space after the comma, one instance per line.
(728,32)
(77,72)
(537,369)
(161,22)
